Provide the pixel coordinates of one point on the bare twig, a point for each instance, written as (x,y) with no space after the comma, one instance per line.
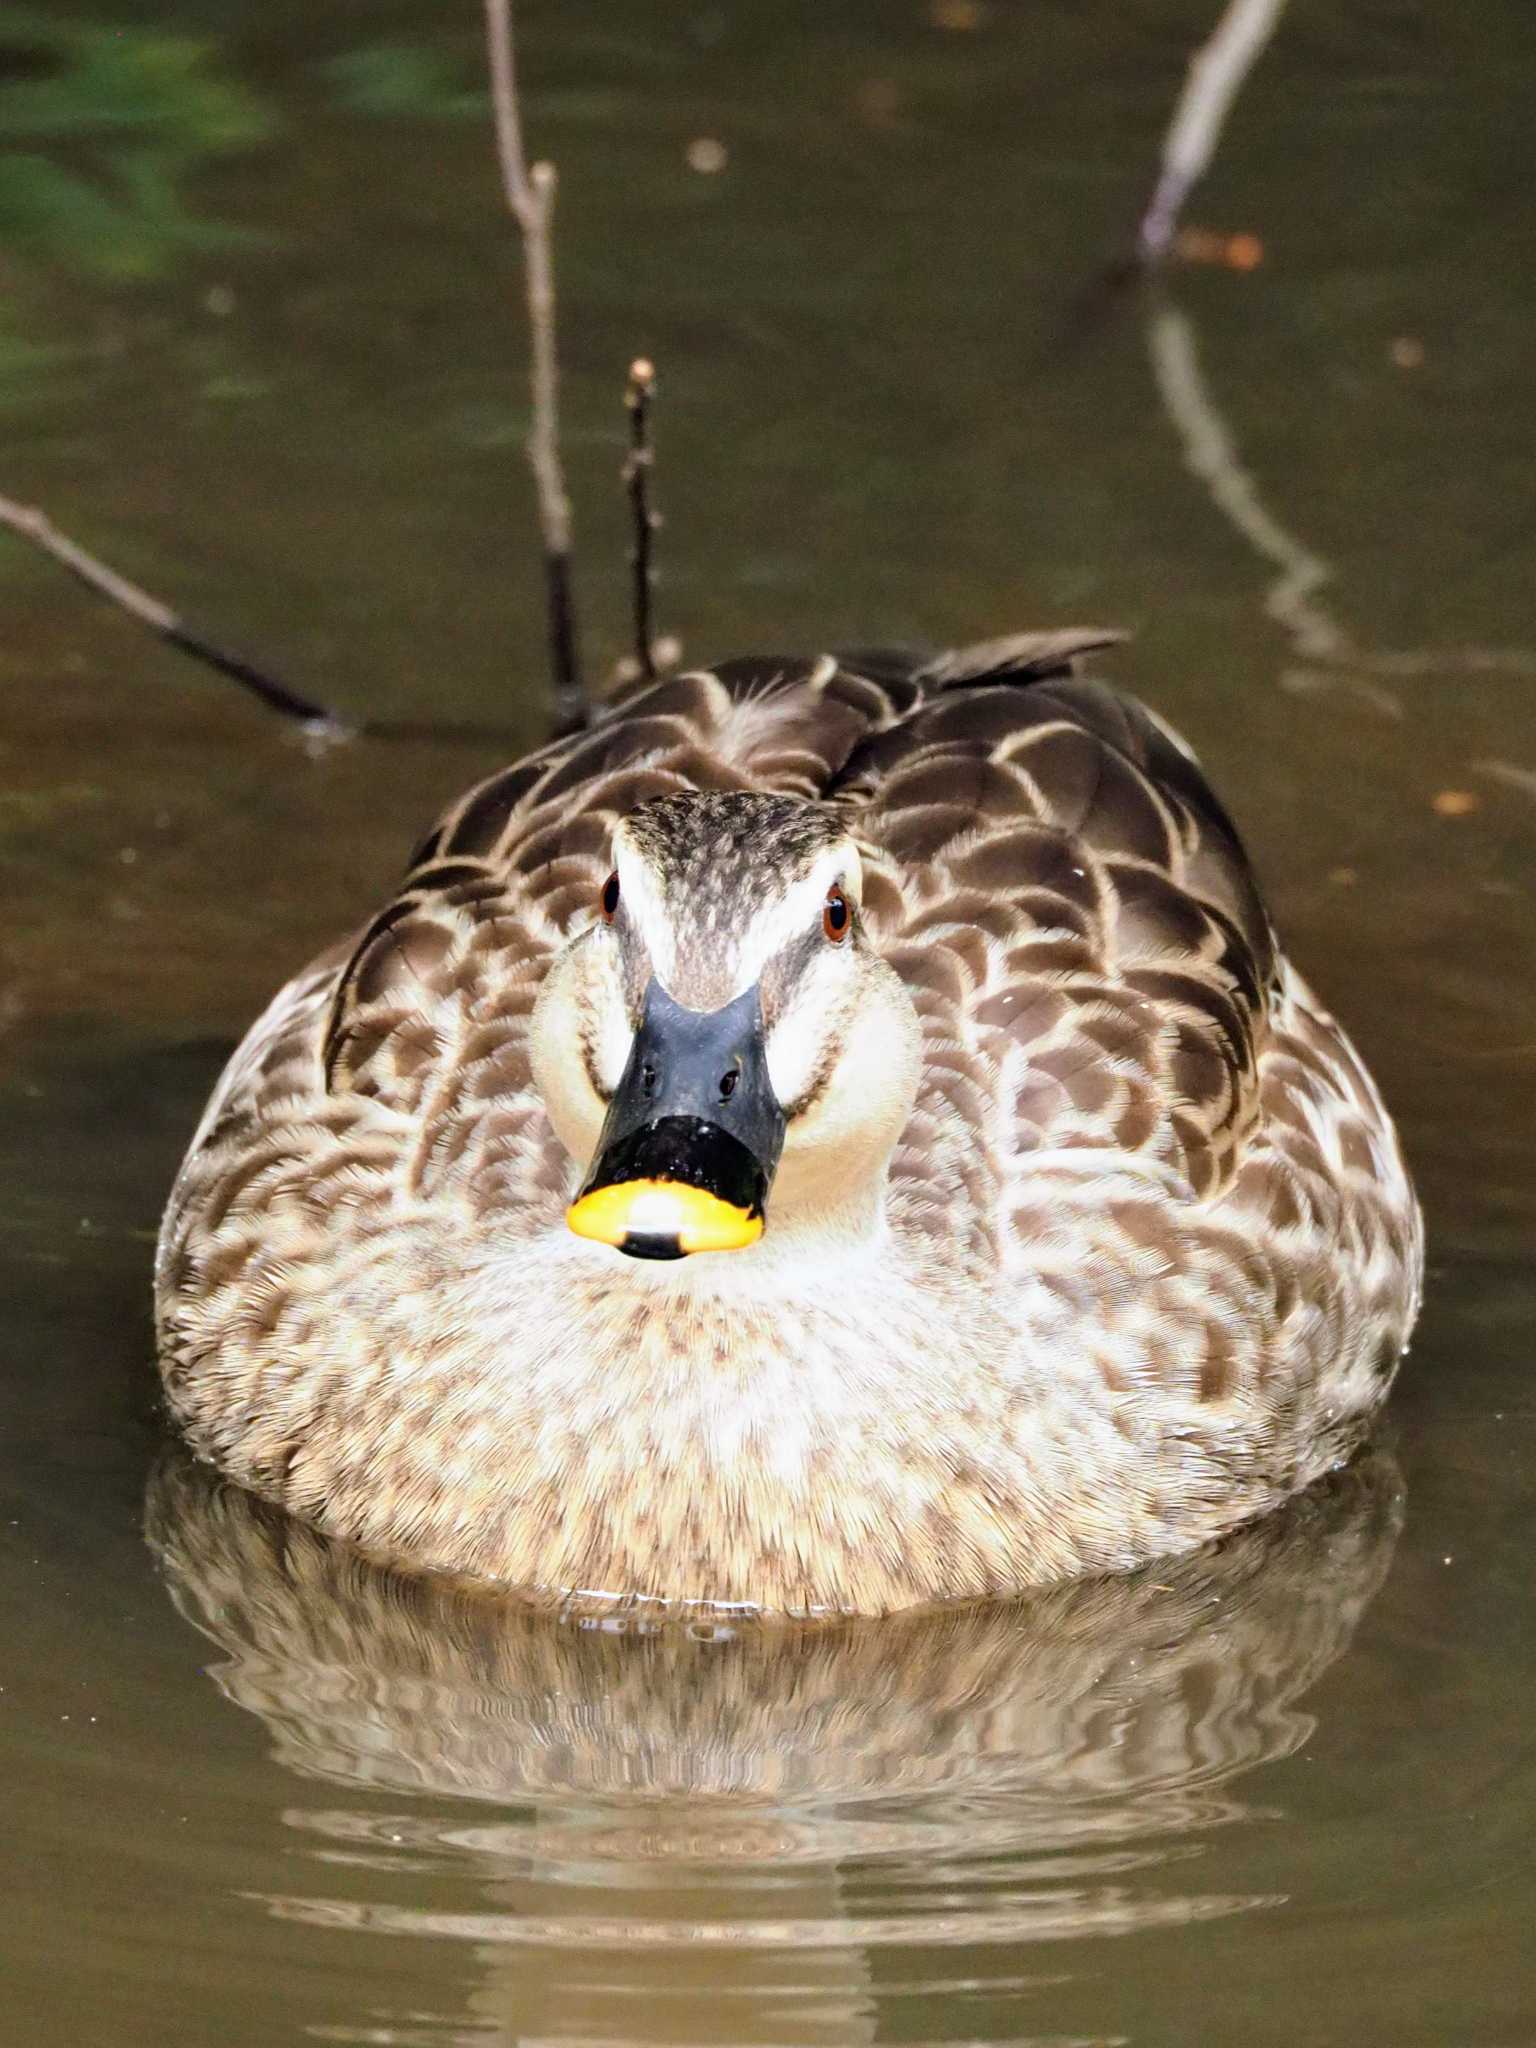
(531,200)
(638,465)
(34,526)
(1216,75)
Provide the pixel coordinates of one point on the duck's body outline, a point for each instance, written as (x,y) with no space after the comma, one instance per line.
(1144,1263)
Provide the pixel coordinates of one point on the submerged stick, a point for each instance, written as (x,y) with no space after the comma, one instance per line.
(530,196)
(638,465)
(34,526)
(1216,75)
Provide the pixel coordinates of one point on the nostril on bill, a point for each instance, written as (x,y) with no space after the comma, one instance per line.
(728,1085)
(648,1080)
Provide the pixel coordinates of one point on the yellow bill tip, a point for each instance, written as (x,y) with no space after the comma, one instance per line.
(663,1212)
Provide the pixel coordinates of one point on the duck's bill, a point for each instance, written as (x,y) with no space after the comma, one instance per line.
(675,1186)
(692,1137)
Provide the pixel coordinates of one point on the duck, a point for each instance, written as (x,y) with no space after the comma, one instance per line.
(835,1135)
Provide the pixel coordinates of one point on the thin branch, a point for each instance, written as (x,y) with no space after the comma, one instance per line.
(638,465)
(1216,75)
(34,526)
(530,198)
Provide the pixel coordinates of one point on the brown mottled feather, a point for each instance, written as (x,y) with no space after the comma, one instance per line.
(1146,1188)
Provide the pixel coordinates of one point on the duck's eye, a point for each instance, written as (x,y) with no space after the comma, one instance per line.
(834,916)
(608,902)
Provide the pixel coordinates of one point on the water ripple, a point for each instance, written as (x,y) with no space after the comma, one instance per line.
(643,1836)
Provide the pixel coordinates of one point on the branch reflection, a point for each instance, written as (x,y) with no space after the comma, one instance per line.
(1328,656)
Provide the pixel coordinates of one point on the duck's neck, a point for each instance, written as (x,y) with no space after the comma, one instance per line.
(808,1250)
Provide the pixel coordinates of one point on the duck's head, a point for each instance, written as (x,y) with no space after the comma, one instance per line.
(722,1040)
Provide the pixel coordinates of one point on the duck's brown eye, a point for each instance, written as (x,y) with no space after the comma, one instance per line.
(609,900)
(834,916)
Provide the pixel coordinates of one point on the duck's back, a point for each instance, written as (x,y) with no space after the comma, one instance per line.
(1138,1142)
(1044,864)
(1132,1096)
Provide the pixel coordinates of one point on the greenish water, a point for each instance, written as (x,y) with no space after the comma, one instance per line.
(259,344)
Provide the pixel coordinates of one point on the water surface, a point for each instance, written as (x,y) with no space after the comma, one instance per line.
(259,344)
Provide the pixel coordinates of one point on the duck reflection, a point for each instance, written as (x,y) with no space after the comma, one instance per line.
(737,1835)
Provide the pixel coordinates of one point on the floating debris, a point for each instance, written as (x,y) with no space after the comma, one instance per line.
(957,14)
(1241,251)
